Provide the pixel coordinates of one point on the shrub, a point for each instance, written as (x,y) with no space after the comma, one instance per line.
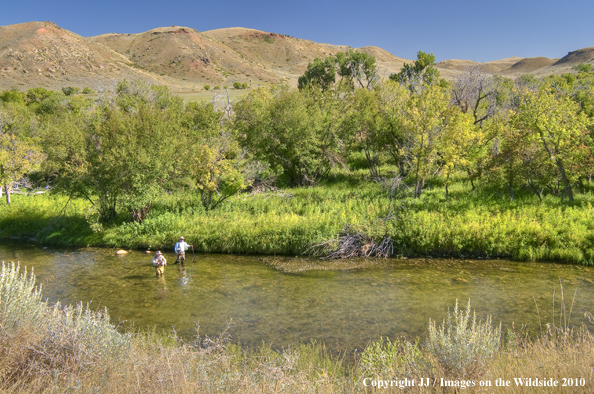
(236,85)
(217,88)
(461,344)
(387,358)
(87,90)
(206,87)
(70,90)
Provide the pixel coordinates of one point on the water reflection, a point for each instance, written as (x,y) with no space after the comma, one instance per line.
(344,304)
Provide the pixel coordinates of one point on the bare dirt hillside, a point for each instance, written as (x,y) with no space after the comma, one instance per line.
(584,55)
(187,55)
(567,62)
(528,65)
(288,56)
(43,54)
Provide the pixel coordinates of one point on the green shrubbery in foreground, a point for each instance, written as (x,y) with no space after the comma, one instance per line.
(291,221)
(73,349)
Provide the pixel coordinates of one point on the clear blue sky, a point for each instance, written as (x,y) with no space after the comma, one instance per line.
(454,29)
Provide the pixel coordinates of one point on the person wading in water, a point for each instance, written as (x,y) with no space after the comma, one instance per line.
(180,248)
(159,262)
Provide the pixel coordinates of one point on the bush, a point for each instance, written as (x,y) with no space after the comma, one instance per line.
(236,85)
(70,90)
(387,358)
(461,344)
(206,87)
(87,90)
(217,88)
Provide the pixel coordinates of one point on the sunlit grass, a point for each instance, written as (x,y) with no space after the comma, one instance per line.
(484,223)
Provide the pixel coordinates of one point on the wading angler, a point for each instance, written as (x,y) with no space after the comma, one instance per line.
(180,249)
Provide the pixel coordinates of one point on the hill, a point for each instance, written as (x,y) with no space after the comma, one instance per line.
(43,54)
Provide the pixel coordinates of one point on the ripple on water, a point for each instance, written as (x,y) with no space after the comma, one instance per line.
(343,303)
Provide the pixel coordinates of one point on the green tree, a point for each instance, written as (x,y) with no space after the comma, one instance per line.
(421,72)
(295,132)
(320,73)
(20,153)
(560,127)
(424,119)
(215,160)
(127,150)
(356,69)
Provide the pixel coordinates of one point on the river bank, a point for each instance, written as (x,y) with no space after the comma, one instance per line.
(55,349)
(294,221)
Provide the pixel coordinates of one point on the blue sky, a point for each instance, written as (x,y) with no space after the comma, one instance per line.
(454,29)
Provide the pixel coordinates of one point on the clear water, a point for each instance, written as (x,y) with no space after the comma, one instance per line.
(344,308)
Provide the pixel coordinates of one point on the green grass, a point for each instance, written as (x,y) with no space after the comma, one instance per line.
(289,221)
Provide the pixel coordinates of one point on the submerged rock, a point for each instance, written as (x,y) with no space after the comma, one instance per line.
(121,251)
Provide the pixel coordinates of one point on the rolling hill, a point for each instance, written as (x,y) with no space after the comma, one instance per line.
(43,54)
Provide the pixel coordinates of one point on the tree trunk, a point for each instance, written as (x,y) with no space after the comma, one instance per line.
(511,181)
(7,193)
(559,164)
(568,190)
(446,186)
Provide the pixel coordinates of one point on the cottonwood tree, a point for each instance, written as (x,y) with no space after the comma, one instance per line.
(560,127)
(460,134)
(293,131)
(215,159)
(423,122)
(127,150)
(355,69)
(422,72)
(19,153)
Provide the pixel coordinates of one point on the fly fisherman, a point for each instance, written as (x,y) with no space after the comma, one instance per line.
(159,262)
(180,248)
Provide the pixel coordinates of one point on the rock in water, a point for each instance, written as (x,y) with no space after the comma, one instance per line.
(121,251)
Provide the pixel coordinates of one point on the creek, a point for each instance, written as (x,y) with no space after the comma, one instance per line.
(282,301)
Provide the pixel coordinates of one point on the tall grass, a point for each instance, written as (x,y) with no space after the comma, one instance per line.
(477,224)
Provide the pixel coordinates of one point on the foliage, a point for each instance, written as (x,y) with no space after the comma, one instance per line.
(421,72)
(461,345)
(289,130)
(356,69)
(561,129)
(19,151)
(70,90)
(386,358)
(124,151)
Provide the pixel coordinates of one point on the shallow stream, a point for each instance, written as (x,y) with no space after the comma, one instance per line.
(282,301)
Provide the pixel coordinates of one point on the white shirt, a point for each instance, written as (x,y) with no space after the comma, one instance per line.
(181,246)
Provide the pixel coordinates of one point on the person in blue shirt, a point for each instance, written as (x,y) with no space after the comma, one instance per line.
(180,249)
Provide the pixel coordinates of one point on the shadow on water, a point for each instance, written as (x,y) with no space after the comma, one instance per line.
(282,301)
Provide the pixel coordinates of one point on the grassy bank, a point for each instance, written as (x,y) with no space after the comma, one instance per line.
(57,349)
(290,221)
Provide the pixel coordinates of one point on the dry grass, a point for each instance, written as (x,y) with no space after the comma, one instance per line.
(75,350)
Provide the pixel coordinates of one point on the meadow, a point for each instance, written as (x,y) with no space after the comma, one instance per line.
(315,220)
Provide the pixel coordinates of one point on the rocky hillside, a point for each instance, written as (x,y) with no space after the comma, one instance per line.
(43,54)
